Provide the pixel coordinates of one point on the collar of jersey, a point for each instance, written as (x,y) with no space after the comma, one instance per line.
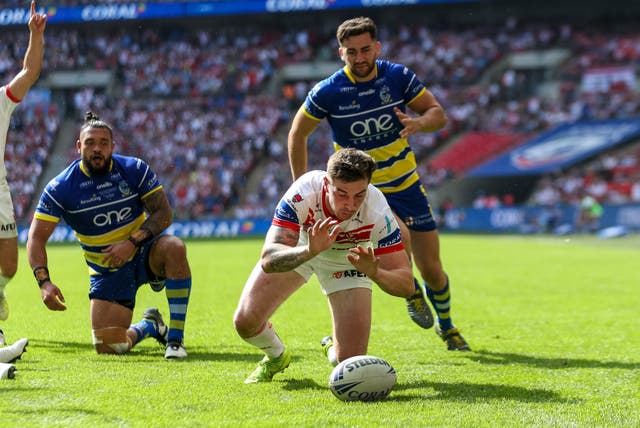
(87,173)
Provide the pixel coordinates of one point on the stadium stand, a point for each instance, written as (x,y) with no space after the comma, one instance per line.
(209,108)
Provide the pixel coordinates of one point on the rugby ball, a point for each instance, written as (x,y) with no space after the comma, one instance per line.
(362,378)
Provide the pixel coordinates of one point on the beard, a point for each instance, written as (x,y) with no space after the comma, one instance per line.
(359,71)
(95,170)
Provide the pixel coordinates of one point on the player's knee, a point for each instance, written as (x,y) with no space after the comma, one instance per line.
(111,340)
(241,324)
(171,253)
(174,247)
(246,324)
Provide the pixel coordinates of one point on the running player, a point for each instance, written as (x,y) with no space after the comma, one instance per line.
(365,103)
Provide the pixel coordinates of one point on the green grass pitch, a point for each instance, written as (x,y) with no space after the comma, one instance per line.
(553,323)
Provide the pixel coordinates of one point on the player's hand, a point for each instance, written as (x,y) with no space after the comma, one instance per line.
(364,260)
(116,255)
(52,297)
(411,124)
(37,22)
(322,235)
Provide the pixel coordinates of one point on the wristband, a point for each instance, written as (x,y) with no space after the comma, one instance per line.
(42,275)
(148,236)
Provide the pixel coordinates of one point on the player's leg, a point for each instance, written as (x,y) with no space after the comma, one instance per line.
(168,259)
(110,327)
(426,252)
(262,294)
(8,268)
(351,316)
(417,305)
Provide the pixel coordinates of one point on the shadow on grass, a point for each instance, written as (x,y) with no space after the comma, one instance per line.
(55,411)
(148,349)
(60,346)
(470,392)
(462,392)
(302,384)
(488,357)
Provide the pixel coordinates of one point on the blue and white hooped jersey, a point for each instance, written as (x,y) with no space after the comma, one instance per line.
(372,226)
(361,116)
(101,210)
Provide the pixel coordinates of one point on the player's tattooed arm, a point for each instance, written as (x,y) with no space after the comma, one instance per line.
(160,217)
(281,253)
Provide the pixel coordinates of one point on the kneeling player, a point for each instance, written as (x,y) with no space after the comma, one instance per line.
(118,211)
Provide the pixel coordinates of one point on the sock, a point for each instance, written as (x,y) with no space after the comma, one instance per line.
(3,283)
(268,341)
(178,291)
(331,356)
(441,301)
(144,328)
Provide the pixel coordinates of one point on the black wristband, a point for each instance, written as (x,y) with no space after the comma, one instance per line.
(147,238)
(42,275)
(139,243)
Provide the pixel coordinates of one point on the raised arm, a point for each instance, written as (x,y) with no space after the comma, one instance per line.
(32,64)
(301,127)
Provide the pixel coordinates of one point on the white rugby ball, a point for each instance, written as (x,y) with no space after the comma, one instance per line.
(362,378)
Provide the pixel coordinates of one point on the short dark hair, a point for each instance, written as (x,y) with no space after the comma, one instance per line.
(92,120)
(349,165)
(355,27)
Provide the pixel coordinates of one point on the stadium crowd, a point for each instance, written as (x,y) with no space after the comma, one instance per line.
(195,102)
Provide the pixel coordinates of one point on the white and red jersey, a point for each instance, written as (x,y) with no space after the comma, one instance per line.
(373,225)
(8,103)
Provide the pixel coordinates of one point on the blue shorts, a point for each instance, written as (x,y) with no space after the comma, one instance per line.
(121,285)
(412,207)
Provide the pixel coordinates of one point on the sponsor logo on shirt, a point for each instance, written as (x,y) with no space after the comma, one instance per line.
(352,106)
(351,273)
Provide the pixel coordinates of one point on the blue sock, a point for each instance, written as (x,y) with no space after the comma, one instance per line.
(441,301)
(144,328)
(178,291)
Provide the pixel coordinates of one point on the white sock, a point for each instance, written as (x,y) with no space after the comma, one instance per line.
(331,355)
(268,341)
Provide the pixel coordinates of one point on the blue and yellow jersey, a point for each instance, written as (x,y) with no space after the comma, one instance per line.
(361,116)
(101,210)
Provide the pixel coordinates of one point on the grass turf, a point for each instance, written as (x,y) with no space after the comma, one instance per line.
(552,322)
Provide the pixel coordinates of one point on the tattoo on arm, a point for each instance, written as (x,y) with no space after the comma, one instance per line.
(160,216)
(281,253)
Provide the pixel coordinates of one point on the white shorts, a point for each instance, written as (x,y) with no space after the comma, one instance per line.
(334,277)
(8,227)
